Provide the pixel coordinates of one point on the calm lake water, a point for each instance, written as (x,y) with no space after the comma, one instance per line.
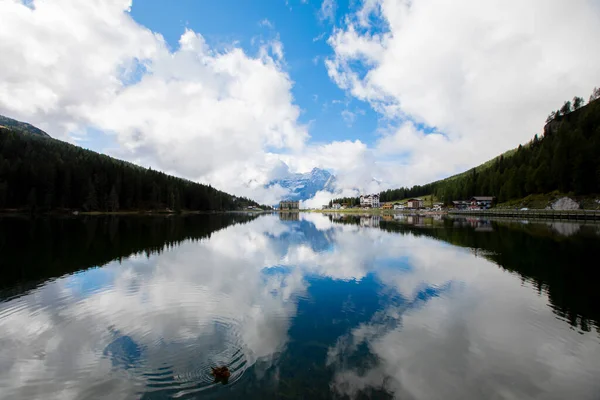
(298,306)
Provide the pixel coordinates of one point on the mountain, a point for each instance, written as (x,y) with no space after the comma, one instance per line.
(41,174)
(305,186)
(565,159)
(21,127)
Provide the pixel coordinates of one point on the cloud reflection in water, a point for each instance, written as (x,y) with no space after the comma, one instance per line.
(294,305)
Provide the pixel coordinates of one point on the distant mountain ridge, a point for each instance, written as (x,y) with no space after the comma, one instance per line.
(305,186)
(21,127)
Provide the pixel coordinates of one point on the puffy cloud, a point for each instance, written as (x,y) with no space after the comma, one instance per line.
(65,54)
(206,115)
(320,198)
(194,111)
(485,74)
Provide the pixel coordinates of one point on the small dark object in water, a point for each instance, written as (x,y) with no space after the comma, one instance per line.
(221,374)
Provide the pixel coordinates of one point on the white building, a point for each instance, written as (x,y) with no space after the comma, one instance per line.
(369,200)
(336,206)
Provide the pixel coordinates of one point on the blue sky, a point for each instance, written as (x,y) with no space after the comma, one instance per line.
(303,34)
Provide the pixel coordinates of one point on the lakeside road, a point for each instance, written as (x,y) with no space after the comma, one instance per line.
(546,214)
(494,212)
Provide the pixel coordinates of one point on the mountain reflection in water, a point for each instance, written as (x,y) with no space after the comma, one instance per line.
(298,306)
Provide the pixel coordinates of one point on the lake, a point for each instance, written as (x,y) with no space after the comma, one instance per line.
(298,306)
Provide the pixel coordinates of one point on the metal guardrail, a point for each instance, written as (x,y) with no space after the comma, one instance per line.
(550,214)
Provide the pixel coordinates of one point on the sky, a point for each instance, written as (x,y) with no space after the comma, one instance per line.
(382,93)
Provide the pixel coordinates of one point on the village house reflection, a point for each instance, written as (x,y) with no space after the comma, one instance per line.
(370,221)
(479,224)
(289,216)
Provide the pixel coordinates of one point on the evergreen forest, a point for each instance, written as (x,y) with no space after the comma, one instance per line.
(41,174)
(566,157)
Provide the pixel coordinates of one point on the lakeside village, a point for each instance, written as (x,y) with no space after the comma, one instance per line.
(371,201)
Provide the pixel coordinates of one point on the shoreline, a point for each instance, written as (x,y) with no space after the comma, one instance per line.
(592,215)
(537,214)
(75,213)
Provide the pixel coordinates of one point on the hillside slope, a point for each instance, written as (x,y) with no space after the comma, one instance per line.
(565,158)
(21,127)
(39,173)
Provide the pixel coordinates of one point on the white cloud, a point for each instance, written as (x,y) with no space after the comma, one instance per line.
(318,200)
(485,74)
(194,111)
(349,117)
(265,22)
(319,37)
(327,10)
(64,54)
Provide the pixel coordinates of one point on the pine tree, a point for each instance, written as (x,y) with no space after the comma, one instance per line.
(3,194)
(566,108)
(595,94)
(91,200)
(32,200)
(113,200)
(177,202)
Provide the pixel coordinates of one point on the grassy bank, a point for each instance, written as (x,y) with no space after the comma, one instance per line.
(429,200)
(354,211)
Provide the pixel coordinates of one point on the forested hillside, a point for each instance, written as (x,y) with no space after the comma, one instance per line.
(565,158)
(22,127)
(42,174)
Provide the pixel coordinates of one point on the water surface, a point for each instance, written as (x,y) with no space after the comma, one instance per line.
(298,306)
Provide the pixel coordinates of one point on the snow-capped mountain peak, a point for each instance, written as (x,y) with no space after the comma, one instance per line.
(305,186)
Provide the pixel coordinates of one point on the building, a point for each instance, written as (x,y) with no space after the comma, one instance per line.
(399,206)
(336,206)
(387,206)
(287,205)
(369,200)
(461,204)
(481,202)
(415,203)
(438,207)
